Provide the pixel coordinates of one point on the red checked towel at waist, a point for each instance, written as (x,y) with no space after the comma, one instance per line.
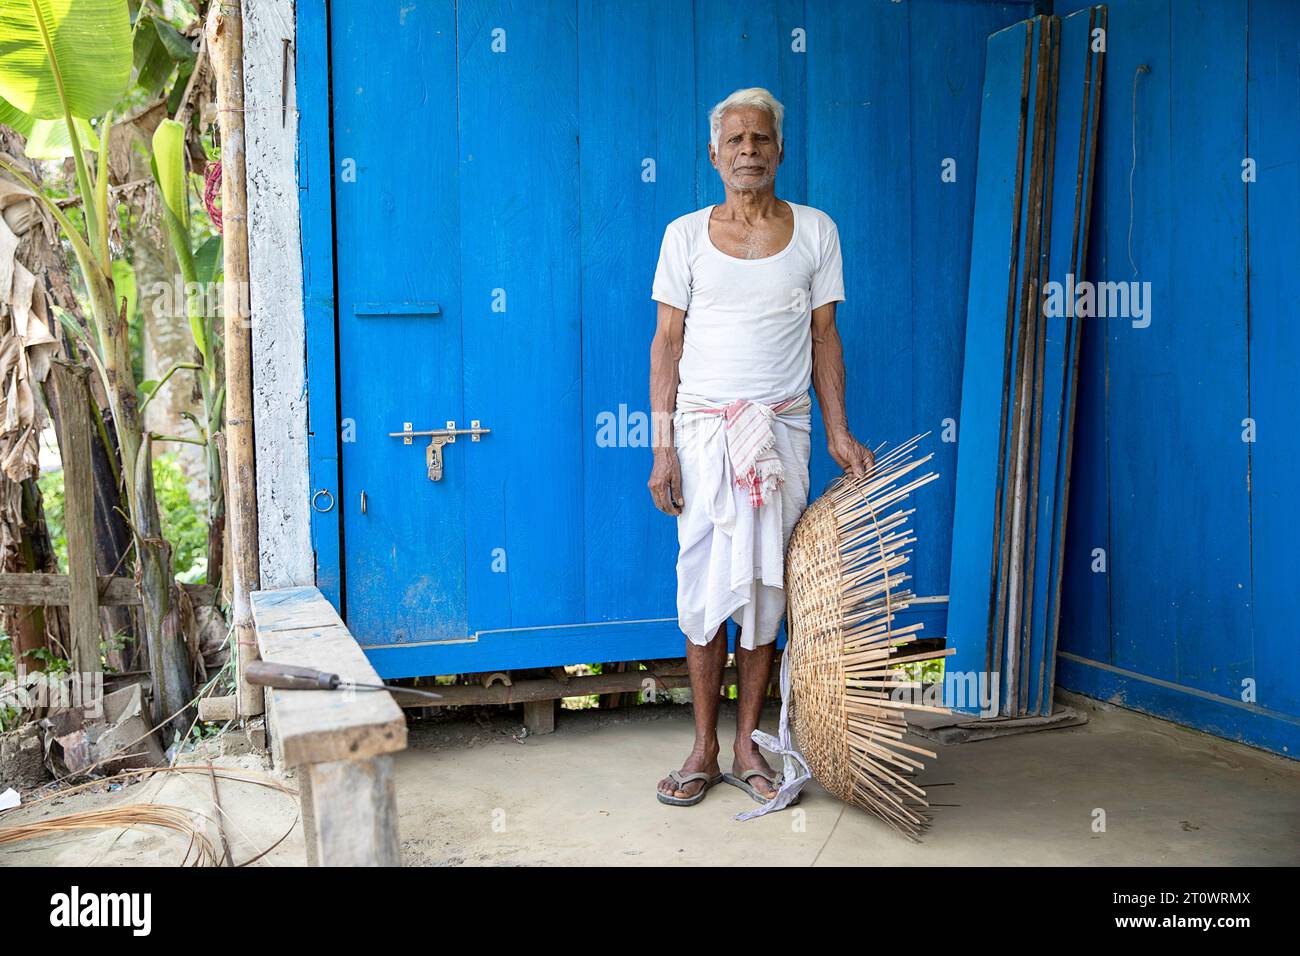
(750,443)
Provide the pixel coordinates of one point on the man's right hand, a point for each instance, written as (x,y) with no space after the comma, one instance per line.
(665,482)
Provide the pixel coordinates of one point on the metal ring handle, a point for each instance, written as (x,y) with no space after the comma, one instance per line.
(317,507)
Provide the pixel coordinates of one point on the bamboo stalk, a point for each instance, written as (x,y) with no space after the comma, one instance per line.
(225,47)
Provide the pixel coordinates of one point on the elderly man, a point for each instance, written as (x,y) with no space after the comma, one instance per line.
(746,296)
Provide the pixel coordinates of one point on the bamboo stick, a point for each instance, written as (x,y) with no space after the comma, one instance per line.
(225,46)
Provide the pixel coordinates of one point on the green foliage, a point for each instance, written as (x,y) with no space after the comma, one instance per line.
(88,40)
(927,672)
(124,284)
(54,665)
(116,643)
(159,49)
(73,61)
(51,485)
(49,139)
(9,716)
(183,524)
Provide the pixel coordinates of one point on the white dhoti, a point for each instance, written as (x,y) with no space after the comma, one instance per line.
(731,557)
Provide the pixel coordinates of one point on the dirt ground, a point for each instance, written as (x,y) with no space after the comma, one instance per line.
(255,817)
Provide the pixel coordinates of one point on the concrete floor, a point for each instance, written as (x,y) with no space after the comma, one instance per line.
(474,793)
(473,790)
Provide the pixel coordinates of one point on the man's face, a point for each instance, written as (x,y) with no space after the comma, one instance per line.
(747,155)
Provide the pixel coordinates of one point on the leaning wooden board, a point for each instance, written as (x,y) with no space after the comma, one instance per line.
(1078,108)
(299,626)
(1038,122)
(990,314)
(1022,332)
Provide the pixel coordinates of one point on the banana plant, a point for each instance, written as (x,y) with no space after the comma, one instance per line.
(198,273)
(70,61)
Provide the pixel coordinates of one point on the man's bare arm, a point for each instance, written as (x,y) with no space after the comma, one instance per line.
(665,482)
(828,380)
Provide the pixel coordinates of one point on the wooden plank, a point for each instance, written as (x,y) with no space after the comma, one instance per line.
(292,609)
(991,729)
(1062,191)
(73,398)
(1273,142)
(623,219)
(1180,567)
(1078,111)
(293,627)
(521,303)
(1019,383)
(1031,650)
(990,310)
(859,119)
(406,546)
(547,689)
(352,813)
(1085,591)
(1004,482)
(316,202)
(275,291)
(945,118)
(39,589)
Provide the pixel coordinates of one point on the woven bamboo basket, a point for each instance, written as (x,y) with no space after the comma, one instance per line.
(845,587)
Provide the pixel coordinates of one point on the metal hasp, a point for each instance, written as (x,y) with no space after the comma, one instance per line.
(437,438)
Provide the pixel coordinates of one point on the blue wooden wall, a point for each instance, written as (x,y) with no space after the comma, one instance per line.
(1199,592)
(1195,607)
(551,173)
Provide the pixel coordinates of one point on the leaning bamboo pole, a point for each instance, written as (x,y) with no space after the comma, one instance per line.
(226,49)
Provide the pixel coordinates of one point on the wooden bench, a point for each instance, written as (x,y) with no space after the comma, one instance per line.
(339,742)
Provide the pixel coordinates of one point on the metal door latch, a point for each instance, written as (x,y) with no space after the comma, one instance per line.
(437,438)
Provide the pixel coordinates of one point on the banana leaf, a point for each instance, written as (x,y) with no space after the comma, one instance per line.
(90,43)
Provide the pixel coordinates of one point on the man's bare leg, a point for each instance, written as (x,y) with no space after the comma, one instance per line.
(755,668)
(705,663)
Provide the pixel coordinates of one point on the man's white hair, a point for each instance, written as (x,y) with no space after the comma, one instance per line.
(754,96)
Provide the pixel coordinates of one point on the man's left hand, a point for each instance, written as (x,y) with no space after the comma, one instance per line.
(854,457)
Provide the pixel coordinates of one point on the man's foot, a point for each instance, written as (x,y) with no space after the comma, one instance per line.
(752,759)
(695,763)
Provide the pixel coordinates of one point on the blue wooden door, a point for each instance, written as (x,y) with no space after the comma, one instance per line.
(399,325)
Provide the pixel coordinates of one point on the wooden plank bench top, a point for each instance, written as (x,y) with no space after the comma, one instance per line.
(299,626)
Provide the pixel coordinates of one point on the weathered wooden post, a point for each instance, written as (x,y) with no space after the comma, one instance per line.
(72,395)
(341,742)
